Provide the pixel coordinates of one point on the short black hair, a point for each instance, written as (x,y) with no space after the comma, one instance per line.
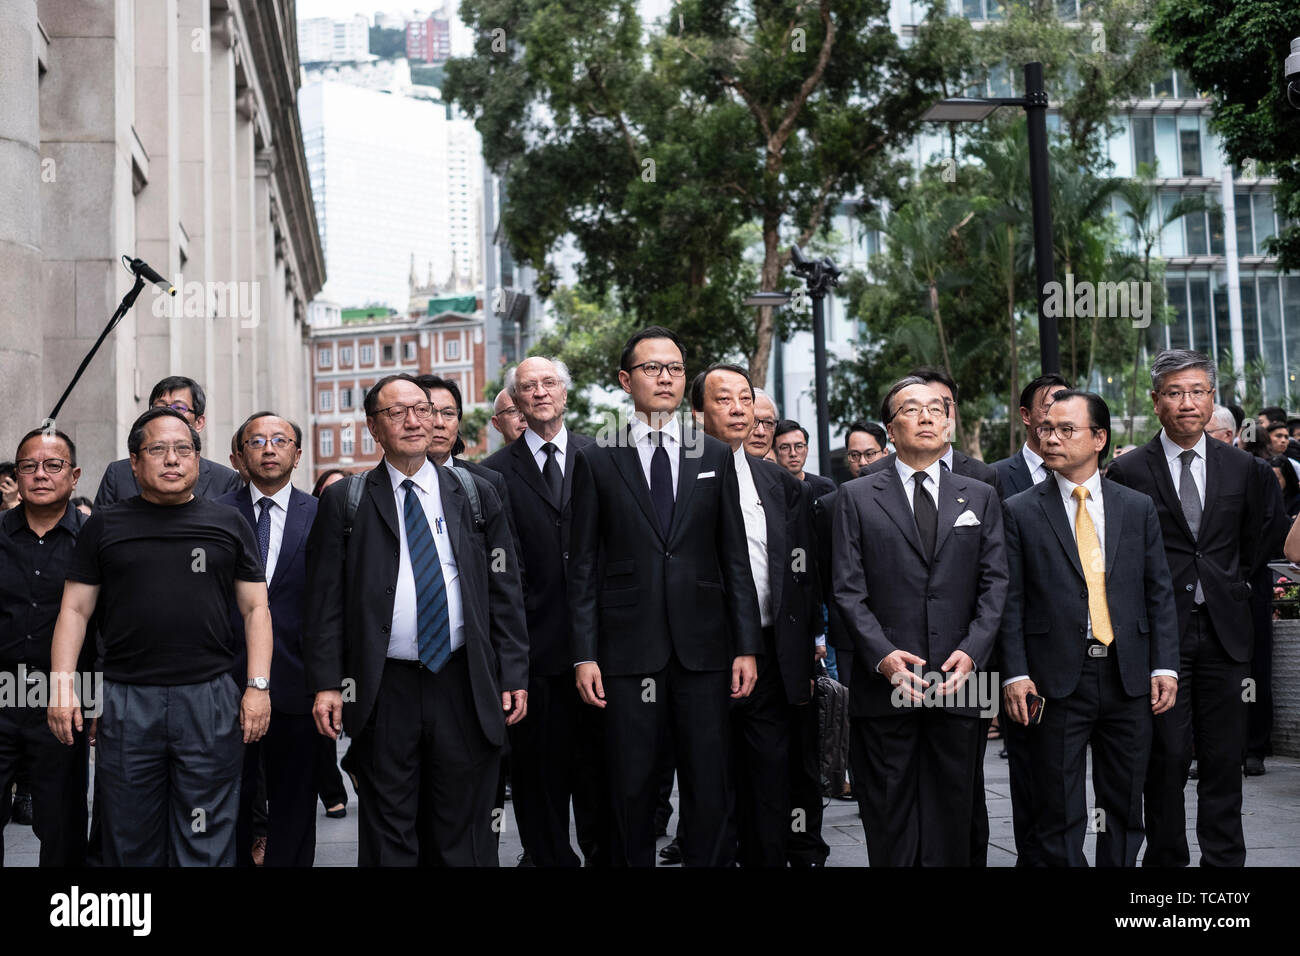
(1275,414)
(872,429)
(1283,464)
(174,383)
(371,402)
(1238,414)
(1043,381)
(886,409)
(1292,424)
(697,386)
(429,383)
(1098,413)
(319,487)
(8,469)
(785,426)
(297,432)
(932,373)
(649,332)
(72,449)
(136,436)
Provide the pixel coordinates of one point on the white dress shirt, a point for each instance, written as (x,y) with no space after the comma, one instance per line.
(1097,512)
(278,515)
(751,507)
(403,637)
(645,447)
(931,483)
(1037,470)
(1172,453)
(561,443)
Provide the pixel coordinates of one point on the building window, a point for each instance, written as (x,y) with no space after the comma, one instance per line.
(324,357)
(325,401)
(408,351)
(327,443)
(345,398)
(451,349)
(367,355)
(388,353)
(345,356)
(367,442)
(1189,144)
(346,443)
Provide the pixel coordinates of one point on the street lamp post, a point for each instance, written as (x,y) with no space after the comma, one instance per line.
(1034,103)
(819,275)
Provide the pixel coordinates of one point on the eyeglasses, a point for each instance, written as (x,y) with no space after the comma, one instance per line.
(423,411)
(277,442)
(29,466)
(1177,394)
(857,456)
(933,410)
(183,449)
(764,423)
(509,411)
(545,385)
(652,369)
(175,406)
(792,449)
(1066,432)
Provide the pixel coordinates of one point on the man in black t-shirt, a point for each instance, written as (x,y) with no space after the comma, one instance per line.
(162,567)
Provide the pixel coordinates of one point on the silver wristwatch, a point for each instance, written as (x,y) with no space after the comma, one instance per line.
(260,683)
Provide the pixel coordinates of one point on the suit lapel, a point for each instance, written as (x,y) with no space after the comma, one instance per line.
(1159,466)
(205,478)
(293,532)
(1021,479)
(688,470)
(576,444)
(892,500)
(774,515)
(1049,497)
(628,463)
(1114,522)
(381,495)
(245,504)
(1214,454)
(526,465)
(952,502)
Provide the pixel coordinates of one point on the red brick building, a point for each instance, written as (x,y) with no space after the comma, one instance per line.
(428,40)
(367,344)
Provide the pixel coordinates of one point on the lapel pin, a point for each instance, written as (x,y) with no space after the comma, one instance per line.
(961,501)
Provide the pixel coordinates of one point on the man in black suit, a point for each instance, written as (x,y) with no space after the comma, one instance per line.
(774,729)
(791,447)
(1018,473)
(1221,516)
(665,616)
(414,633)
(1090,626)
(920,578)
(186,396)
(554,753)
(281,517)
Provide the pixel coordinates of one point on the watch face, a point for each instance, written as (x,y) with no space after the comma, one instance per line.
(261,683)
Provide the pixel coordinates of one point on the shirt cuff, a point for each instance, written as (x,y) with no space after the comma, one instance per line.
(580,663)
(1164,672)
(1012,680)
(820,640)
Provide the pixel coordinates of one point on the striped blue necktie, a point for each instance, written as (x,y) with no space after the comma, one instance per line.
(433,625)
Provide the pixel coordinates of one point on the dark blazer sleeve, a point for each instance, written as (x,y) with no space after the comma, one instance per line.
(1013,660)
(983,633)
(737,576)
(583,557)
(108,492)
(507,629)
(849,585)
(1266,523)
(323,597)
(1162,614)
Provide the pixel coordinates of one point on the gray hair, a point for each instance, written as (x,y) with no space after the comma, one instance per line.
(1170,361)
(1222,418)
(562,370)
(759,393)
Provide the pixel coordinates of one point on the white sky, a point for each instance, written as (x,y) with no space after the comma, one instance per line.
(338,9)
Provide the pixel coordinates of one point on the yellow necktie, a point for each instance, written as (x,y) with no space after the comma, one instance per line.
(1094,568)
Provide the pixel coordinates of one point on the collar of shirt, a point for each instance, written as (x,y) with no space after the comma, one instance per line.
(1066,487)
(281,497)
(672,431)
(536,441)
(1033,460)
(15,520)
(426,479)
(905,472)
(1172,451)
(947,458)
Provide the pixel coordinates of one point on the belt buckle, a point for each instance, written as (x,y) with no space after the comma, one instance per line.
(1098,650)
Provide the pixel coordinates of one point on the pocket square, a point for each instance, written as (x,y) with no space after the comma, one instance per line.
(706,474)
(966,519)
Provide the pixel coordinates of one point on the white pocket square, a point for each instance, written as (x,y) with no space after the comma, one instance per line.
(966,519)
(706,474)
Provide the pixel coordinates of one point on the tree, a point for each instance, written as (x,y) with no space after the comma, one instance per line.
(1233,50)
(653,147)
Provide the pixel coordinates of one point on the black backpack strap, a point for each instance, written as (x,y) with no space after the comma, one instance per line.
(356,484)
(471,490)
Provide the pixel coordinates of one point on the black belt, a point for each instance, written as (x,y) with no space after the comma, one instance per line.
(419,665)
(1097,649)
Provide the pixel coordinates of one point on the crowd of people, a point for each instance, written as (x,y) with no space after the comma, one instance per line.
(677,598)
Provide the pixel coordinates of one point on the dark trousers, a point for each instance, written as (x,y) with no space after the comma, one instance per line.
(427,775)
(1259,715)
(549,751)
(665,775)
(329,782)
(979,815)
(807,847)
(1117,727)
(1021,769)
(286,759)
(167,773)
(760,740)
(1209,710)
(55,776)
(639,715)
(915,773)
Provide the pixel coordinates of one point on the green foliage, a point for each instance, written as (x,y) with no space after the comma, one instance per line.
(1234,50)
(386,43)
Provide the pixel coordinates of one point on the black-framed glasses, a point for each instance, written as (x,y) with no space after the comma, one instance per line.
(1196,394)
(652,369)
(764,422)
(183,449)
(1044,431)
(29,466)
(396,413)
(276,441)
(792,449)
(932,410)
(857,456)
(176,407)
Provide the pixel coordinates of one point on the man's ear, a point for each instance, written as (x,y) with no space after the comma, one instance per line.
(625,380)
(199,422)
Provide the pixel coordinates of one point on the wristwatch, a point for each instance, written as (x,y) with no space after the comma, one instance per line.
(260,683)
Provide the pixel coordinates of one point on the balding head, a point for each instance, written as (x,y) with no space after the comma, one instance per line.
(506,418)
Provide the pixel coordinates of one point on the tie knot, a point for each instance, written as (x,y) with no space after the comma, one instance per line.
(919,477)
(408,484)
(1080,492)
(549,449)
(1188,456)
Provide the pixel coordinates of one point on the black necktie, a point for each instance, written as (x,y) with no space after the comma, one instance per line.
(927,518)
(551,473)
(264,531)
(661,483)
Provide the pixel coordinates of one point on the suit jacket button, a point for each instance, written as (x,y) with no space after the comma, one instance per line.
(557,522)
(1083,593)
(668,554)
(384,628)
(1198,554)
(566,556)
(390,591)
(396,552)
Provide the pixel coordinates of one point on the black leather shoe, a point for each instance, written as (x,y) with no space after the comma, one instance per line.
(338,813)
(22,809)
(1254,767)
(671,854)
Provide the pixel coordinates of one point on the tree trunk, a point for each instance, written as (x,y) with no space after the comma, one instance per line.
(769,282)
(943,351)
